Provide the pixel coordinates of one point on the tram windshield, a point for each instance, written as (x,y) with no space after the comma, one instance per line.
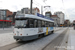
(20,23)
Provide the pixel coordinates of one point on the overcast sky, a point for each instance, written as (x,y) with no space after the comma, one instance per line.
(66,6)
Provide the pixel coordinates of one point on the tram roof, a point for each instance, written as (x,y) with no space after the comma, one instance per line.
(31,16)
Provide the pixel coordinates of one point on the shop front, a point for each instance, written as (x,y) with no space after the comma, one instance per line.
(5,23)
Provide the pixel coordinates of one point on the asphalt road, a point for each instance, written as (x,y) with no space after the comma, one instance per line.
(56,42)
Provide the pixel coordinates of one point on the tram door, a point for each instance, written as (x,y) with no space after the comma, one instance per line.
(46,30)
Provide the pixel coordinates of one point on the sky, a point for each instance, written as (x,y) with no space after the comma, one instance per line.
(66,6)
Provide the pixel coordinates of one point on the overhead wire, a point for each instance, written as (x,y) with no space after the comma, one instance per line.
(64,9)
(46,4)
(38,4)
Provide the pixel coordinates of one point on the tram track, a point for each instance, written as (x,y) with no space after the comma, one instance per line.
(16,44)
(13,45)
(56,42)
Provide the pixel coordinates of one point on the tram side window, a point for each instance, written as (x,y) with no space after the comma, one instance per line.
(46,25)
(52,24)
(49,24)
(27,23)
(39,23)
(35,23)
(31,23)
(43,24)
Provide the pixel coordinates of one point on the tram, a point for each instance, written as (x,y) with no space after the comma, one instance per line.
(29,27)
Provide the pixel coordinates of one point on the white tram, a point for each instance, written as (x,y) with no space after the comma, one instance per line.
(28,27)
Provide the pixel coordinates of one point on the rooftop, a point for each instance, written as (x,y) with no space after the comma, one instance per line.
(54,16)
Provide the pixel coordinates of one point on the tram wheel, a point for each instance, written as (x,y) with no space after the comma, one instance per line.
(40,35)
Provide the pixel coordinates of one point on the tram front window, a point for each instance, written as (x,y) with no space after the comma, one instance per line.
(21,23)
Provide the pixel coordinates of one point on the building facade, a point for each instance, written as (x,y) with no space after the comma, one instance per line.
(67,23)
(18,12)
(5,20)
(61,16)
(35,11)
(13,17)
(48,14)
(56,20)
(4,14)
(27,11)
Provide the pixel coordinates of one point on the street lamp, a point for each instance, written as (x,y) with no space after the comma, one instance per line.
(47,6)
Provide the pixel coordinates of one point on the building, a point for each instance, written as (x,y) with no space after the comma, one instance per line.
(56,20)
(4,14)
(35,10)
(18,12)
(13,17)
(73,23)
(67,23)
(5,18)
(27,11)
(61,16)
(48,14)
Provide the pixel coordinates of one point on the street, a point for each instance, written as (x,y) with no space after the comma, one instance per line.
(5,31)
(37,25)
(7,42)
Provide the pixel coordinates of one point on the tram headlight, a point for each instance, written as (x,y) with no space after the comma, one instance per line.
(20,34)
(15,33)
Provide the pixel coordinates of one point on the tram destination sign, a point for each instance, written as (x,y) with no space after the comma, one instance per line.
(40,15)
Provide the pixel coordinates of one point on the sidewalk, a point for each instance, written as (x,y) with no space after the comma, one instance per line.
(58,28)
(10,28)
(71,40)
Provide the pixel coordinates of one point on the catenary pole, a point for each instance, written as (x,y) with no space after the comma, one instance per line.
(31,6)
